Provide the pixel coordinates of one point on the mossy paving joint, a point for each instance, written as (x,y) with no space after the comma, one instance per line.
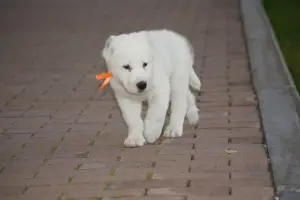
(78,167)
(112,172)
(1,169)
(107,186)
(118,158)
(13,157)
(54,148)
(70,179)
(100,133)
(60,196)
(149,176)
(44,160)
(92,142)
(35,174)
(24,145)
(43,126)
(96,198)
(25,189)
(122,196)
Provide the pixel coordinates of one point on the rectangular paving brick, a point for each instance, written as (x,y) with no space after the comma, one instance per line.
(254,192)
(152,198)
(204,191)
(7,191)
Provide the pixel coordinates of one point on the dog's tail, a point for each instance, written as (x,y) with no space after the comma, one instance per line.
(194,80)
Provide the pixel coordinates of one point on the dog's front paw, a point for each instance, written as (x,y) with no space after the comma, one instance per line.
(134,141)
(152,137)
(152,130)
(173,131)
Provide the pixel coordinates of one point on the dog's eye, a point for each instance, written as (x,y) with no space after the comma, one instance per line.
(126,67)
(145,64)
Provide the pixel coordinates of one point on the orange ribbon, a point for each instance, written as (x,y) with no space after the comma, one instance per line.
(107,76)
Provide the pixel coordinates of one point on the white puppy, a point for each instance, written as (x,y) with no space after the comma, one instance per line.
(152,66)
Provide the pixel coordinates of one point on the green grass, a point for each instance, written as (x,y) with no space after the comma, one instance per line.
(285,19)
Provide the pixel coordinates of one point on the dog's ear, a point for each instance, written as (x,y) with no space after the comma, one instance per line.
(108,48)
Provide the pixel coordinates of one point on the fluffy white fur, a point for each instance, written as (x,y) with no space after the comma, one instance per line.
(163,60)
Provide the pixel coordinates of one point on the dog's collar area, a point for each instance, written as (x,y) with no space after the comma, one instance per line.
(106,76)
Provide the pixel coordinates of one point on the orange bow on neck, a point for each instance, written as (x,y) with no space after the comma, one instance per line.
(107,76)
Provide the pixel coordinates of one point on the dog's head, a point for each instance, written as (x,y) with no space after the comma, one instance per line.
(129,58)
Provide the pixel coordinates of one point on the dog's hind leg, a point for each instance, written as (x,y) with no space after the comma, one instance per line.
(179,103)
(192,110)
(156,114)
(194,80)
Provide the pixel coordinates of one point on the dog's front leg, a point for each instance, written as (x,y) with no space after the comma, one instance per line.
(131,112)
(156,114)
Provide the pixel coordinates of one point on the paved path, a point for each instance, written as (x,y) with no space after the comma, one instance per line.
(60,139)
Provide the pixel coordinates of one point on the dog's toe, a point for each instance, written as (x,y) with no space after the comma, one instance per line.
(172,132)
(134,141)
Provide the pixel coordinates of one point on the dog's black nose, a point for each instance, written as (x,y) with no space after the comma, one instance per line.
(141,85)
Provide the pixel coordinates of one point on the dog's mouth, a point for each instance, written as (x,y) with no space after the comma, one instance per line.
(131,93)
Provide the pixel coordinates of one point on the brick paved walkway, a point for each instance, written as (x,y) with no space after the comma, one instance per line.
(60,139)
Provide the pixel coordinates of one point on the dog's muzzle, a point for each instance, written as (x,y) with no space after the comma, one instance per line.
(141,86)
